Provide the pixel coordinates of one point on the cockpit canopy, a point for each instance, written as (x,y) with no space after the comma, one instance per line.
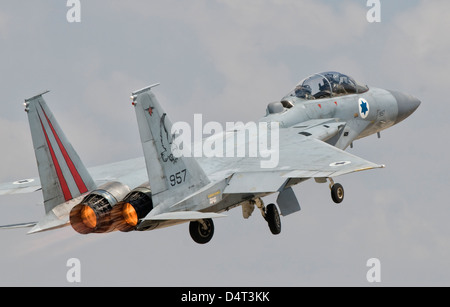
(325,85)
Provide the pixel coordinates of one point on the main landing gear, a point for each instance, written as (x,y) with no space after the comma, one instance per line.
(201,231)
(270,214)
(273,219)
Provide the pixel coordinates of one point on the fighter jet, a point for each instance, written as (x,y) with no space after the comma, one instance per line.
(311,127)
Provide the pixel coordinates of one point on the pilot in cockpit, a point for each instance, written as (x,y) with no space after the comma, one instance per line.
(334,82)
(304,91)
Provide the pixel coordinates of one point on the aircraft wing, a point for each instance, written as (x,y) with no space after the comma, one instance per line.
(300,156)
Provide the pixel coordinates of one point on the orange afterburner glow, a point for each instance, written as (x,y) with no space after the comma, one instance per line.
(130,215)
(88,217)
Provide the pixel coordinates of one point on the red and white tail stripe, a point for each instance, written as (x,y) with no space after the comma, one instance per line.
(62,173)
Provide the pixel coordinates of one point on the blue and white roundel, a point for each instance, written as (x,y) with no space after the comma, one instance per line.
(363,108)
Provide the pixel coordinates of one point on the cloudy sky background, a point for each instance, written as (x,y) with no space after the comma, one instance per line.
(228,60)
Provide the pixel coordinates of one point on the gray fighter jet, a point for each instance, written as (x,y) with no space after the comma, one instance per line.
(176,182)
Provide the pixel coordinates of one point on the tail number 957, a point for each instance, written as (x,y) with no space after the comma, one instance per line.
(178,178)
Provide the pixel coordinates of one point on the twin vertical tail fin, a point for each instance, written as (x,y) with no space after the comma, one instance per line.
(167,172)
(62,174)
(64,177)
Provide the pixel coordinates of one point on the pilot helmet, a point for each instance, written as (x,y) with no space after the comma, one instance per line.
(302,90)
(333,77)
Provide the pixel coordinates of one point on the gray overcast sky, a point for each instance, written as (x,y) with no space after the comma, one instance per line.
(227,60)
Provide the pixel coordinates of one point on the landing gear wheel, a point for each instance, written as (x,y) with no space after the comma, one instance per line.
(201,231)
(337,193)
(273,219)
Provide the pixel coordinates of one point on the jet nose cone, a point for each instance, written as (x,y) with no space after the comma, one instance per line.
(407,104)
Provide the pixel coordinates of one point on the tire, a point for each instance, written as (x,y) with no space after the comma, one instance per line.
(337,193)
(273,219)
(199,234)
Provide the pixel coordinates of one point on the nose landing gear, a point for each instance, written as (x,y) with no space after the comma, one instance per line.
(337,191)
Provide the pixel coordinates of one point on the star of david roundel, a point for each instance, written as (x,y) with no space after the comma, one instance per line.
(363,108)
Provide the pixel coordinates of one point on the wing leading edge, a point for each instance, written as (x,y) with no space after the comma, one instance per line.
(300,157)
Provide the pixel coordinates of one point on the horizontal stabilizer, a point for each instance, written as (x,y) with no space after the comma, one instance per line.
(20,187)
(185,215)
(20,225)
(47,224)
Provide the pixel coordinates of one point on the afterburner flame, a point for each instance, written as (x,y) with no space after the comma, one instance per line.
(130,215)
(88,217)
